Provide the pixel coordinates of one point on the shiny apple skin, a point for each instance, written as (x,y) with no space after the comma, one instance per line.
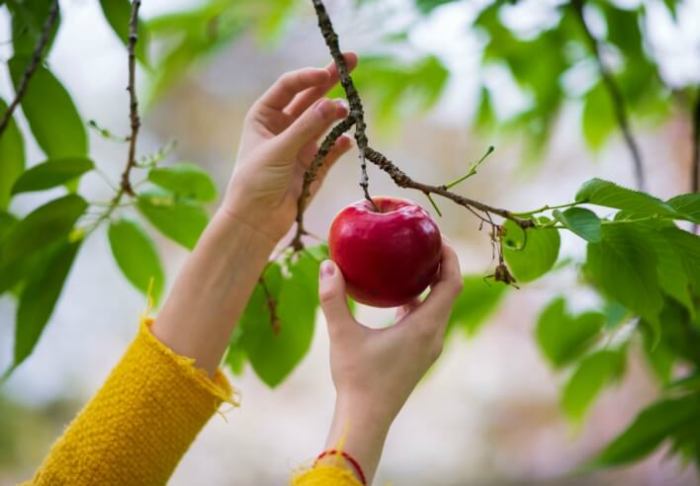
(389,257)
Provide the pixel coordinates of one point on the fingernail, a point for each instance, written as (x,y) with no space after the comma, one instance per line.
(341,104)
(326,108)
(327,269)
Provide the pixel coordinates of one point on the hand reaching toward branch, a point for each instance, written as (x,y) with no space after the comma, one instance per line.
(279,141)
(375,370)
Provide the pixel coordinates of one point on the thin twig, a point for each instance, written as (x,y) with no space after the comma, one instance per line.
(133,101)
(402,180)
(312,172)
(615,94)
(32,66)
(356,109)
(271,306)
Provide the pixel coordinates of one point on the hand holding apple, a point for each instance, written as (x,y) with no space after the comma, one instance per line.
(388,257)
(375,370)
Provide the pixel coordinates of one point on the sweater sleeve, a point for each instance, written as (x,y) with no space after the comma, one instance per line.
(325,475)
(137,427)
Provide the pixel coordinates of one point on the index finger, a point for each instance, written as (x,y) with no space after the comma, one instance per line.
(306,98)
(278,96)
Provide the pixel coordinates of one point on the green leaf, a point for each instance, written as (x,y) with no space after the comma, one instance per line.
(687,205)
(7,222)
(660,356)
(649,429)
(45,225)
(192,35)
(624,267)
(563,337)
(672,272)
(28,19)
(137,257)
(530,255)
(400,88)
(609,194)
(477,301)
(427,6)
(11,158)
(598,120)
(580,221)
(52,173)
(181,221)
(185,180)
(671,5)
(235,355)
(485,116)
(275,347)
(118,15)
(51,113)
(594,373)
(39,297)
(687,247)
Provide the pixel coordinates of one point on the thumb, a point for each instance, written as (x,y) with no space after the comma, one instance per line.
(331,290)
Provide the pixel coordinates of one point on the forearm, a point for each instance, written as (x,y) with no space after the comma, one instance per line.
(360,432)
(212,290)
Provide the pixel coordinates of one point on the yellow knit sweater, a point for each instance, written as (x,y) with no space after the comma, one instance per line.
(137,427)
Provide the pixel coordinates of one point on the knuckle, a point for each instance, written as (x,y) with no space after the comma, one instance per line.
(456,285)
(327,296)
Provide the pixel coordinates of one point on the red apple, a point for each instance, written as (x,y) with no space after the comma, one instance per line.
(388,257)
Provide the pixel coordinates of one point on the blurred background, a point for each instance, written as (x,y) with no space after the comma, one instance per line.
(488,413)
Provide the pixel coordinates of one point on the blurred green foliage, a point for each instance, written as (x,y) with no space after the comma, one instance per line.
(640,261)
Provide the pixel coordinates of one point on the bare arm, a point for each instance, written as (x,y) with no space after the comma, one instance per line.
(278,142)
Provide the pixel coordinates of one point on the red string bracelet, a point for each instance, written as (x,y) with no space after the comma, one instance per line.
(347,457)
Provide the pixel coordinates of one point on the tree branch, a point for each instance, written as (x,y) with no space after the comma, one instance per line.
(356,117)
(356,109)
(32,66)
(312,172)
(402,180)
(615,94)
(133,101)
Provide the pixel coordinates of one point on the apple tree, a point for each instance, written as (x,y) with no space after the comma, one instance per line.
(642,254)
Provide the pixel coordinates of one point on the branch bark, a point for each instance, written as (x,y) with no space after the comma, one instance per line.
(402,180)
(32,66)
(356,117)
(616,98)
(356,109)
(133,101)
(312,172)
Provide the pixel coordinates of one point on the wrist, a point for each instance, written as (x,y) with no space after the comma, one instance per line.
(360,430)
(232,218)
(357,409)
